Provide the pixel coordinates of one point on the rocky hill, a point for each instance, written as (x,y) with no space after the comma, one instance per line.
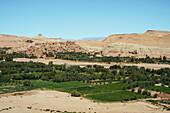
(38,45)
(149,38)
(152,43)
(41,49)
(12,40)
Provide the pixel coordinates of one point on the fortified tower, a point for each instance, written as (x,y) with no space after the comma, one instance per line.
(39,34)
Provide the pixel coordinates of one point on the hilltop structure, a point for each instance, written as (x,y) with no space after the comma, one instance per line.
(151,43)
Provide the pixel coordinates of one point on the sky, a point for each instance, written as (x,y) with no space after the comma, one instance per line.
(76,19)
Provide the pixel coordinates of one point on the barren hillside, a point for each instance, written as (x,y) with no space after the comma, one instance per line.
(149,38)
(40,49)
(39,45)
(153,43)
(12,40)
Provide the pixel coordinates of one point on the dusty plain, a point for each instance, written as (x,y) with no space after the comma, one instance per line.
(37,101)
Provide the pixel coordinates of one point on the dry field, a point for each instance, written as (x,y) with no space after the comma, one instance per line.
(36,101)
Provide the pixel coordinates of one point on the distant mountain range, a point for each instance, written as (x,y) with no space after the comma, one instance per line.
(87,38)
(93,38)
(153,43)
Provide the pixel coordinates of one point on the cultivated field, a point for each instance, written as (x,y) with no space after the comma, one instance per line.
(34,86)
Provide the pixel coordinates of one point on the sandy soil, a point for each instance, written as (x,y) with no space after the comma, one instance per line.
(59,61)
(54,100)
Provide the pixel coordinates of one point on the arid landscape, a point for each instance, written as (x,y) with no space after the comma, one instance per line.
(35,102)
(84,56)
(151,43)
(41,89)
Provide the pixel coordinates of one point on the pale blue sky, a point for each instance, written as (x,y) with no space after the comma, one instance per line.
(75,19)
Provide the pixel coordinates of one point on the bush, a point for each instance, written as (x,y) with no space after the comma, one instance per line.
(127,99)
(124,88)
(139,90)
(9,58)
(75,93)
(27,83)
(132,89)
(145,92)
(149,94)
(155,95)
(1,58)
(133,98)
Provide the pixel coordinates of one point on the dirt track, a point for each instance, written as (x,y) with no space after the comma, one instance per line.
(54,100)
(59,61)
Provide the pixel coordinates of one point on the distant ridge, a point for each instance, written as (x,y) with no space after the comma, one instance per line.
(93,38)
(154,43)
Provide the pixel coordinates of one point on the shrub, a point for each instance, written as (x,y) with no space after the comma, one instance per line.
(124,88)
(29,107)
(149,94)
(132,89)
(50,63)
(27,83)
(75,93)
(129,87)
(9,58)
(1,58)
(141,86)
(133,98)
(155,95)
(127,99)
(145,92)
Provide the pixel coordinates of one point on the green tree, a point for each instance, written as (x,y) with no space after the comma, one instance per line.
(132,59)
(164,58)
(1,58)
(155,95)
(27,83)
(50,63)
(132,89)
(9,58)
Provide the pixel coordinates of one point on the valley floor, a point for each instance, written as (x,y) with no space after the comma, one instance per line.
(40,101)
(59,61)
